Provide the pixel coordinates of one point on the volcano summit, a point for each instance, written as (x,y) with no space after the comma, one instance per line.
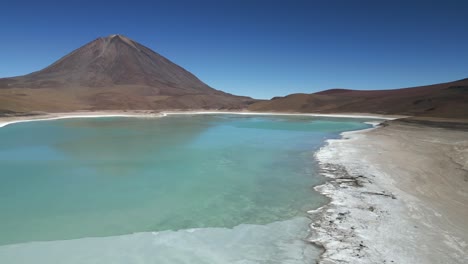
(114,72)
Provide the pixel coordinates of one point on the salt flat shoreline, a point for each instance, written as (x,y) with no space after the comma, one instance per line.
(399,194)
(386,205)
(4,121)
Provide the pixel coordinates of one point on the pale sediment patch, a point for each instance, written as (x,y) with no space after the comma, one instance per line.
(278,242)
(399,194)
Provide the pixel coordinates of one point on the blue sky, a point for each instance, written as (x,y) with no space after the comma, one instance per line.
(256,48)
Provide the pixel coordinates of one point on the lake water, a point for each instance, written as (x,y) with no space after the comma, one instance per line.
(177,189)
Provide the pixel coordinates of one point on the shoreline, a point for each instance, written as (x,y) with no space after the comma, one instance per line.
(8,120)
(404,200)
(5,121)
(356,115)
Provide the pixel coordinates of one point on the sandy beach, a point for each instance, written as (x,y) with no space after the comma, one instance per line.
(399,194)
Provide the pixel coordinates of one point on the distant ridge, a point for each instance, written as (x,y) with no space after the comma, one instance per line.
(334,91)
(448,100)
(112,72)
(118,73)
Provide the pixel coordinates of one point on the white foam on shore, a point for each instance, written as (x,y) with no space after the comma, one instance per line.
(278,242)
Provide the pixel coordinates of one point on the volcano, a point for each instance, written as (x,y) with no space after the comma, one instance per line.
(113,72)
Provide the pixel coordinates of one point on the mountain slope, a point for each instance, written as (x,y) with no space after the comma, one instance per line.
(440,100)
(114,72)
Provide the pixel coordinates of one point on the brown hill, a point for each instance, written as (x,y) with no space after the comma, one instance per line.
(114,72)
(448,100)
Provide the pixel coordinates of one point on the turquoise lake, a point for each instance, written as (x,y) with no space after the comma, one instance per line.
(186,185)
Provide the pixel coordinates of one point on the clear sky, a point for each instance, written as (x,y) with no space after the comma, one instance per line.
(256,48)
